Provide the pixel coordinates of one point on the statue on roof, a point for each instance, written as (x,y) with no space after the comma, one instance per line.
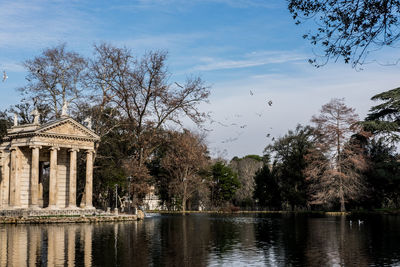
(64,110)
(35,113)
(15,119)
(88,120)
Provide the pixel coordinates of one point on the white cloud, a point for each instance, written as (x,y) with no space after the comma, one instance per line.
(181,4)
(161,41)
(12,66)
(249,60)
(28,24)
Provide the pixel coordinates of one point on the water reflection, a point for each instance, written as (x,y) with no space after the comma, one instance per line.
(206,240)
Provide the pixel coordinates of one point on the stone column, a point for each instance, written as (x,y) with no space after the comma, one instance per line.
(72,178)
(35,177)
(15,196)
(1,180)
(89,179)
(5,176)
(40,187)
(53,178)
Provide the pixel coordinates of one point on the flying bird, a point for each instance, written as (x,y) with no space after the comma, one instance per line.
(270,102)
(243,126)
(268,135)
(251,92)
(229,140)
(5,77)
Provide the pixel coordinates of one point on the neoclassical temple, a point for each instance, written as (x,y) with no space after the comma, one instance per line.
(38,165)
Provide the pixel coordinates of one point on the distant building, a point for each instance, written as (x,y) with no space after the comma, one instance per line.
(152,201)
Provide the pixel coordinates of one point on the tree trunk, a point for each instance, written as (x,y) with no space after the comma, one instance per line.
(184,204)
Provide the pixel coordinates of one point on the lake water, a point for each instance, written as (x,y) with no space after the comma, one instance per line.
(207,240)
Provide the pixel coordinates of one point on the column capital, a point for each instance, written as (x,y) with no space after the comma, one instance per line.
(73,149)
(54,148)
(35,146)
(89,151)
(13,148)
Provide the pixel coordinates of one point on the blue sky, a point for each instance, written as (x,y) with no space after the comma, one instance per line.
(234,45)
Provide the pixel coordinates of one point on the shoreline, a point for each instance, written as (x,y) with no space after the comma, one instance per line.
(327,213)
(67,219)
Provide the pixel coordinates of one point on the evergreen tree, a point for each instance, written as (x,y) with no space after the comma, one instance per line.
(384,119)
(383,176)
(225,183)
(289,152)
(267,191)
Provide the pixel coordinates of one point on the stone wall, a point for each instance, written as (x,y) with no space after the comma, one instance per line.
(25,156)
(62,178)
(5,178)
(71,219)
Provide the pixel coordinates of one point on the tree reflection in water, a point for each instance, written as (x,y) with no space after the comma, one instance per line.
(204,240)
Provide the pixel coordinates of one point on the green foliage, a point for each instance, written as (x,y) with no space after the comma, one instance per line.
(255,157)
(385,118)
(160,175)
(289,164)
(383,177)
(225,183)
(5,123)
(108,169)
(267,190)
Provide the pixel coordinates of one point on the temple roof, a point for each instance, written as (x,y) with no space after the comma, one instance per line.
(64,127)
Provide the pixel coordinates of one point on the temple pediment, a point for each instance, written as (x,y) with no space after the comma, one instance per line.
(67,128)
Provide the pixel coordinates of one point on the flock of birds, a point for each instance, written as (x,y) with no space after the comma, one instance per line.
(239,127)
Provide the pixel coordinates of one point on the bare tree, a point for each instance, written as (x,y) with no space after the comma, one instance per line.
(335,162)
(246,169)
(139,89)
(55,77)
(186,157)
